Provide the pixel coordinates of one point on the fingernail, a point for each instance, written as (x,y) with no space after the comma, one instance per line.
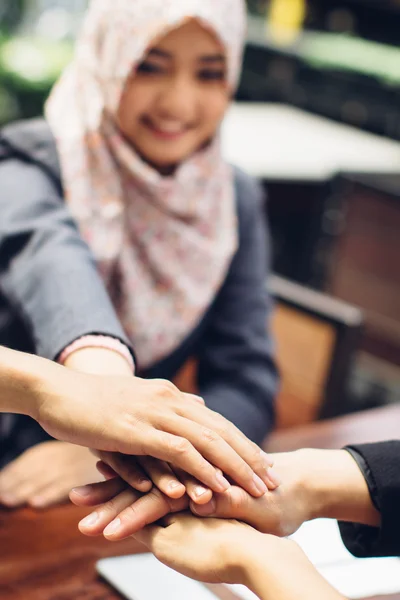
(274,478)
(113,527)
(199,491)
(268,462)
(174,485)
(90,520)
(260,485)
(224,483)
(84,490)
(204,510)
(144,481)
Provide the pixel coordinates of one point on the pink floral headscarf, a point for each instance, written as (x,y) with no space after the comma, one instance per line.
(163,244)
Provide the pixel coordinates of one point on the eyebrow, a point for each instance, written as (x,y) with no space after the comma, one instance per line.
(207,59)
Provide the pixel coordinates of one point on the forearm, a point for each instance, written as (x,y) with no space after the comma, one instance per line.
(336,488)
(21,377)
(269,580)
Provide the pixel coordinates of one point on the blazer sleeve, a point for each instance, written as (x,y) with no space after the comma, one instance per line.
(380,464)
(47,273)
(237,375)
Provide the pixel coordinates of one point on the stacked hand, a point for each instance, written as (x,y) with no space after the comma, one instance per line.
(118,413)
(237,547)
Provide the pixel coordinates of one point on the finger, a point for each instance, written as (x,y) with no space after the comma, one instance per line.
(194,489)
(14,499)
(258,461)
(96,521)
(49,496)
(215,449)
(128,469)
(180,452)
(106,470)
(162,476)
(235,503)
(149,508)
(16,475)
(202,427)
(97,493)
(20,495)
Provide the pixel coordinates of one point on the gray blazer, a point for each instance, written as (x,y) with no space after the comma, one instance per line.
(51,293)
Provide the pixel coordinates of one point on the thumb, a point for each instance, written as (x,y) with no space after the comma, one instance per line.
(229,505)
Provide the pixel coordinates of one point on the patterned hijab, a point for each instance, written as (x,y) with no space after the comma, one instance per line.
(163,243)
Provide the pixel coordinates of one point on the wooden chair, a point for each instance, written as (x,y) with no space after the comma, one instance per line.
(316,337)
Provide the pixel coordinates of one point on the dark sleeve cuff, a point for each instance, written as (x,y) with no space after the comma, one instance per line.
(380,465)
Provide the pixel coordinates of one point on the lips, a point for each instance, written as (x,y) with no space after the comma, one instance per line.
(166,131)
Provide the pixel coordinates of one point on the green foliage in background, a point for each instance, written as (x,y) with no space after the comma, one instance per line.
(28,68)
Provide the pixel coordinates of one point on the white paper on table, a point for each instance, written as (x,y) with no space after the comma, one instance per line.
(352,577)
(322,543)
(364,577)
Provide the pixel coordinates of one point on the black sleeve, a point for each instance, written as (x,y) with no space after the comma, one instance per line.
(47,273)
(237,376)
(380,464)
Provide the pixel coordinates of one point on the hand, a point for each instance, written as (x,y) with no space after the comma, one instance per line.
(136,416)
(137,471)
(216,551)
(122,510)
(280,512)
(44,474)
(315,483)
(206,550)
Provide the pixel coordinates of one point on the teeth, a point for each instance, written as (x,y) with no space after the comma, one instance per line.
(170,128)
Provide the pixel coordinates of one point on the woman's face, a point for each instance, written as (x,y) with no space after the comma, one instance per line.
(176,98)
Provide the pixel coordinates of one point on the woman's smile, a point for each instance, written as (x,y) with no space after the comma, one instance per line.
(169,130)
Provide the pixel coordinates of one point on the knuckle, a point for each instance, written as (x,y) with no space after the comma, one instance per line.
(166,388)
(209,435)
(256,457)
(166,393)
(179,445)
(132,516)
(225,431)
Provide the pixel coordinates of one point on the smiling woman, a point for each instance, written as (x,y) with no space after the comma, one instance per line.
(176,97)
(130,149)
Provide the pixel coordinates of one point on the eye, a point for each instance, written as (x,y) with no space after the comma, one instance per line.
(212,75)
(149,68)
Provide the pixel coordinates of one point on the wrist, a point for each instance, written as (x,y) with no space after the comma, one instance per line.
(266,565)
(98,361)
(248,560)
(336,488)
(24,375)
(267,568)
(90,353)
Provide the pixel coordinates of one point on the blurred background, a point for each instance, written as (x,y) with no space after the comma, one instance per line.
(317,119)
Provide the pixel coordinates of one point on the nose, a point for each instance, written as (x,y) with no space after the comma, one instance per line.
(178,99)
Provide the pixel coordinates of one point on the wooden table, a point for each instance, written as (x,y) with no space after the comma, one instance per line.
(44,557)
